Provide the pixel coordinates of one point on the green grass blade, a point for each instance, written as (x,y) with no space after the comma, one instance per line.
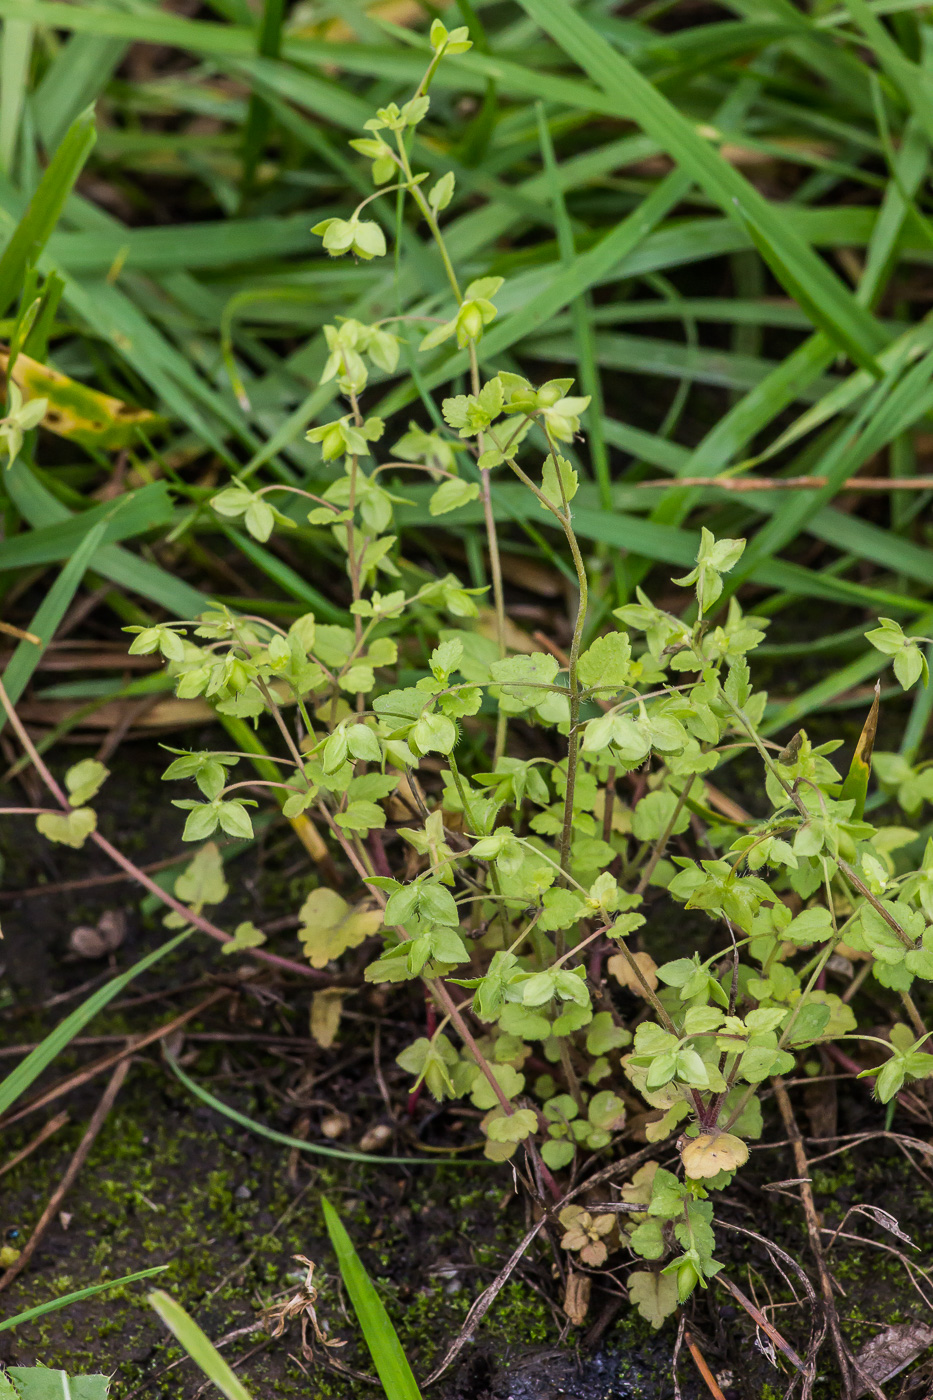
(78,1297)
(198,1345)
(636,99)
(274,1136)
(142,510)
(55,1042)
(909,167)
(73,80)
(822,315)
(40,508)
(287,578)
(914,82)
(35,228)
(50,613)
(892,407)
(259,116)
(381,1337)
(561,288)
(14,76)
(581,319)
(911,345)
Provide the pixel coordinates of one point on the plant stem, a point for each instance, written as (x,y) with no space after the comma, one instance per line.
(489,519)
(661,843)
(793,796)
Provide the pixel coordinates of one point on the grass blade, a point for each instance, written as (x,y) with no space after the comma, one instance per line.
(385,1348)
(40,508)
(14,75)
(198,1345)
(142,510)
(636,99)
(258,119)
(39,1059)
(51,610)
(274,1136)
(78,1297)
(35,227)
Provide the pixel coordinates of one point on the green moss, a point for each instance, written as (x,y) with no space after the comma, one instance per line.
(162,1186)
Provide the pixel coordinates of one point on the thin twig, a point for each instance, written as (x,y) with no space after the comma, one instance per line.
(131,1046)
(761,1321)
(484,1302)
(846,1361)
(46,1131)
(790,483)
(711,1381)
(74,1167)
(139,875)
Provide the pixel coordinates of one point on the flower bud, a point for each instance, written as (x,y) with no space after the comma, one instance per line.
(549,394)
(469,323)
(332,443)
(687,1280)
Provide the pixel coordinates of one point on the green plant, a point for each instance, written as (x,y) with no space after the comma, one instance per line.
(41,1383)
(381,1338)
(536,847)
(67,1299)
(198,1345)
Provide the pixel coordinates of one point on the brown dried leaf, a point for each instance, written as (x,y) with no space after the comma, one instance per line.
(892,1350)
(595,1253)
(326,1010)
(577,1297)
(620,969)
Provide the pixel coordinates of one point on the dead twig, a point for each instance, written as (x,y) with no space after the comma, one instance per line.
(20,635)
(90,882)
(484,1302)
(845,1359)
(45,1132)
(759,1319)
(675,1358)
(700,1361)
(74,1167)
(131,1046)
(791,483)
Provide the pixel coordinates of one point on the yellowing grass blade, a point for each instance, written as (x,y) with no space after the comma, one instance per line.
(84,415)
(855,785)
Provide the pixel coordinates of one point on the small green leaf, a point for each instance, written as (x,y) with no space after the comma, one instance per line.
(68,829)
(654,1295)
(84,780)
